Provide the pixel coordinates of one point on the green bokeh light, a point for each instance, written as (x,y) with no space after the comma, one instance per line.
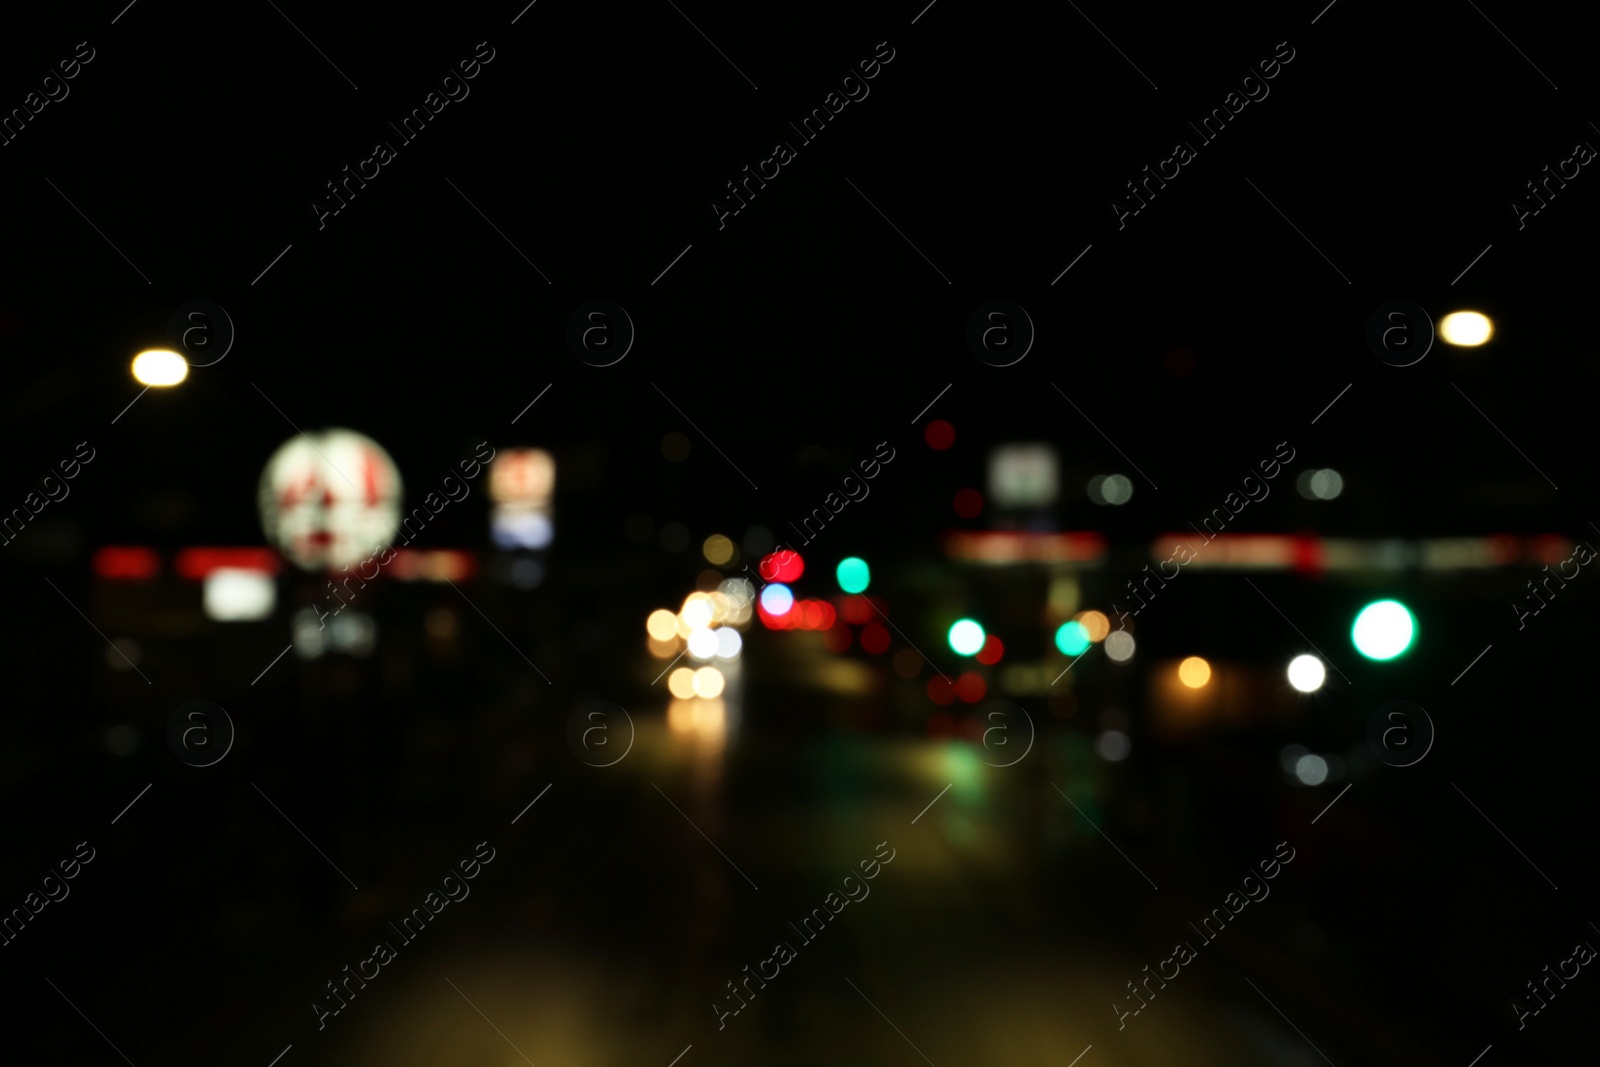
(966,637)
(1383,630)
(854,575)
(1072,639)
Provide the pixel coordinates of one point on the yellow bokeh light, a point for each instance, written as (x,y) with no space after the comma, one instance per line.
(1095,624)
(717,550)
(680,716)
(1194,672)
(710,718)
(662,625)
(1466,329)
(680,683)
(705,720)
(740,594)
(707,682)
(697,612)
(665,649)
(159,367)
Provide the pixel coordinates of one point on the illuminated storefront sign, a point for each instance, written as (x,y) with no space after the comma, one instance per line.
(521,484)
(525,476)
(329,499)
(1023,476)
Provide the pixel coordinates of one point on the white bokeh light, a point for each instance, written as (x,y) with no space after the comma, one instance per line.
(1113,746)
(1311,769)
(702,644)
(776,599)
(1465,328)
(1306,673)
(697,611)
(1119,646)
(159,367)
(1110,489)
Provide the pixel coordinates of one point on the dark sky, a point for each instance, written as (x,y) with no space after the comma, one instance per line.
(994,140)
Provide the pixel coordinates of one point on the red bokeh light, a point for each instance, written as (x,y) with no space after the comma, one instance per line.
(875,638)
(784,565)
(991,651)
(970,687)
(786,621)
(968,503)
(810,614)
(128,564)
(940,435)
(856,610)
(195,563)
(939,690)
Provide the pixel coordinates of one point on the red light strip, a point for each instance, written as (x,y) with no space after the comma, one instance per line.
(196,563)
(126,563)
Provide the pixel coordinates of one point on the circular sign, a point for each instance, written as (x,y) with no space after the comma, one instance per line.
(1000,333)
(1400,333)
(330,499)
(200,733)
(600,333)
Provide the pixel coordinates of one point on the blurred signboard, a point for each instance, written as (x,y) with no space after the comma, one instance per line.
(329,499)
(522,482)
(522,476)
(1309,553)
(1023,476)
(1009,546)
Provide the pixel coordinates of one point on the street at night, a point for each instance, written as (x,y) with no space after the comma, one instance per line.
(677,535)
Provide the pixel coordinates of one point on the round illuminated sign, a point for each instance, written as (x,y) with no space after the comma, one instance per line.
(330,499)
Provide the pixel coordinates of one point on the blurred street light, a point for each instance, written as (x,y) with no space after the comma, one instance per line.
(159,367)
(1465,329)
(1306,673)
(1194,672)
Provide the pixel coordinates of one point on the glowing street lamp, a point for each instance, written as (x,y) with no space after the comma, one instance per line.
(160,367)
(1466,329)
(1194,672)
(1306,673)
